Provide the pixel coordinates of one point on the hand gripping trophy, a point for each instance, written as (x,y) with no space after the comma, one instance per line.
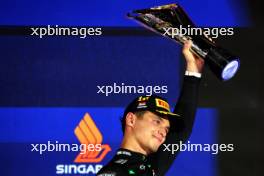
(167,19)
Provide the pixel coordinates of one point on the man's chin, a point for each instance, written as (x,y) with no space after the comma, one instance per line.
(154,149)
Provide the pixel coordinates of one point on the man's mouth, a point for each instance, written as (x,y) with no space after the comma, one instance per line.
(160,139)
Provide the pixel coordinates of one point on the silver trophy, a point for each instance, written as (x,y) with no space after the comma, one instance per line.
(168,19)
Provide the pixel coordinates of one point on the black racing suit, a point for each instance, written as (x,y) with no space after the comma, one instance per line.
(126,162)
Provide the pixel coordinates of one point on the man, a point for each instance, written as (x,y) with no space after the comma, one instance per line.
(148,123)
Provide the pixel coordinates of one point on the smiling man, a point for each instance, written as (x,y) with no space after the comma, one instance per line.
(148,125)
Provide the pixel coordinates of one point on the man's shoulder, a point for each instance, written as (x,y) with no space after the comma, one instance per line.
(113,169)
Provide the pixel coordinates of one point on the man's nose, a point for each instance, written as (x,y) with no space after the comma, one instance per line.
(162,132)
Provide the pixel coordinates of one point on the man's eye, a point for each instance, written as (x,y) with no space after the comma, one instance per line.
(157,121)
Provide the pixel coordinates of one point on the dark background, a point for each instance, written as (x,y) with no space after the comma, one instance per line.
(240,100)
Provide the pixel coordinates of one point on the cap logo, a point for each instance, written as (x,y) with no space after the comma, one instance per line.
(141,105)
(162,104)
(141,98)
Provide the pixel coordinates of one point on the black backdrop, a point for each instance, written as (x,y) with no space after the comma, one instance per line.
(241,100)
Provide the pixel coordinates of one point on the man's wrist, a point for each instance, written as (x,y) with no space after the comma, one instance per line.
(195,74)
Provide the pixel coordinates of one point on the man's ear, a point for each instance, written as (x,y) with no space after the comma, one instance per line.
(130,119)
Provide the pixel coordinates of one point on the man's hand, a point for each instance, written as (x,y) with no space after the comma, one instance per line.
(193,62)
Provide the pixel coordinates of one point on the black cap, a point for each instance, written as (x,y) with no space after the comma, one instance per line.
(153,103)
(159,106)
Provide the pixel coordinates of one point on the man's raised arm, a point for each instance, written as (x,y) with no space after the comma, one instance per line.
(186,108)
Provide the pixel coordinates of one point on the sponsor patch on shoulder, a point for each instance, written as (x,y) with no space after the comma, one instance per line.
(121,161)
(108,174)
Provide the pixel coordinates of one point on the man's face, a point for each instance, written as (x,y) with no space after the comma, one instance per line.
(150,131)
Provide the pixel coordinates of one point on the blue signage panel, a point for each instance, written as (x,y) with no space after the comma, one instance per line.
(23,128)
(113,13)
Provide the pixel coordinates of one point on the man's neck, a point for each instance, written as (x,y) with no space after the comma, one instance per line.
(132,145)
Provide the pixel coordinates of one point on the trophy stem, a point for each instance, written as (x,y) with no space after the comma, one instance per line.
(168,19)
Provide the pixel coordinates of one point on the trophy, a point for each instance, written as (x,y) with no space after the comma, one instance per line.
(168,19)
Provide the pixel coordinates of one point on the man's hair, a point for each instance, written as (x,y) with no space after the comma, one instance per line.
(139,114)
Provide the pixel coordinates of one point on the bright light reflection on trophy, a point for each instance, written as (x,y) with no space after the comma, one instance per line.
(168,19)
